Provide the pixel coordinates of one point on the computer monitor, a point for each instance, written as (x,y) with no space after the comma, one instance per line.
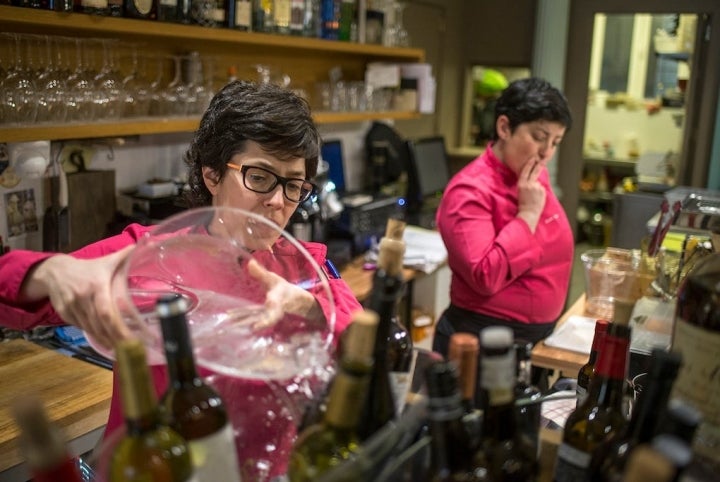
(428,172)
(331,152)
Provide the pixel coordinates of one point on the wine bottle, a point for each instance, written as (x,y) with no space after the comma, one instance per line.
(327,444)
(401,353)
(608,462)
(696,336)
(169,11)
(282,10)
(505,453)
(143,9)
(586,371)
(239,14)
(42,444)
(150,450)
(464,352)
(450,450)
(193,408)
(648,465)
(386,394)
(529,411)
(601,414)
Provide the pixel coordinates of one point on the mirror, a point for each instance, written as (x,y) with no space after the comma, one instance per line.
(639,70)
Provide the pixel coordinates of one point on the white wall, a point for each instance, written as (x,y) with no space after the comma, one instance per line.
(654,133)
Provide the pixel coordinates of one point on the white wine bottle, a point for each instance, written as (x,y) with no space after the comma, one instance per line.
(325,445)
(194,409)
(150,450)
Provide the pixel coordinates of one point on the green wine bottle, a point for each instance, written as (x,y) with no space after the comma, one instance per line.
(328,443)
(150,450)
(194,409)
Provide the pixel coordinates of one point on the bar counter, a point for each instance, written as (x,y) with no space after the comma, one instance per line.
(566,361)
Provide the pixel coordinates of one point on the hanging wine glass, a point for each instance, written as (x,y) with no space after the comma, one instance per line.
(137,87)
(81,85)
(19,90)
(175,95)
(109,82)
(52,83)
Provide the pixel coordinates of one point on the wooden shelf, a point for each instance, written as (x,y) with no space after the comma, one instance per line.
(306,60)
(160,126)
(624,163)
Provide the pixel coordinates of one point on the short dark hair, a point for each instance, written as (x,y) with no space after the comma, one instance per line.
(272,116)
(531,99)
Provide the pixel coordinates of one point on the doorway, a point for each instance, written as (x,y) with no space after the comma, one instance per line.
(591,86)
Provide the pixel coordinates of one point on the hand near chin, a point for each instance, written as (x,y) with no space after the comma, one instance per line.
(531,194)
(80,291)
(284,297)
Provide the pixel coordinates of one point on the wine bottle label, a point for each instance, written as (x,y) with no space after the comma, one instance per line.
(498,378)
(698,382)
(242,13)
(214,457)
(94,3)
(572,464)
(400,384)
(143,6)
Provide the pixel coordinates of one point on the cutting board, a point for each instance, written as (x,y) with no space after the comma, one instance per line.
(76,393)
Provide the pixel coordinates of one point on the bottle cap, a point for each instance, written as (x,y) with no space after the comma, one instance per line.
(442,380)
(390,256)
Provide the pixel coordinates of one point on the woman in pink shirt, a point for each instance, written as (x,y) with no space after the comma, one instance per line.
(510,246)
(256,148)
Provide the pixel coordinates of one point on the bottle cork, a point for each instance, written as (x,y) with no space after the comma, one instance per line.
(392,248)
(395,229)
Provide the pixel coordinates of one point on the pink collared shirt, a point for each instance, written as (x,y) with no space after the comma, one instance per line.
(499,267)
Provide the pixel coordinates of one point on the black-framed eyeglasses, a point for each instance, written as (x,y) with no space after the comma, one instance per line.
(261,180)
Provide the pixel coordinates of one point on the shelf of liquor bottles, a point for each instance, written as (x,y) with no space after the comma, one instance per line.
(306,61)
(78,24)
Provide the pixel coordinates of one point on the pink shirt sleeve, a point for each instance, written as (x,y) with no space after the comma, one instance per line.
(15,265)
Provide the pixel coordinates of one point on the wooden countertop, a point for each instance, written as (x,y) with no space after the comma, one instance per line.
(76,393)
(360,280)
(566,361)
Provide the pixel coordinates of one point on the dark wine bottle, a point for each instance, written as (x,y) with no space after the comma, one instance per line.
(42,444)
(326,444)
(193,408)
(601,414)
(142,9)
(529,411)
(450,450)
(696,336)
(505,453)
(609,459)
(386,393)
(169,10)
(150,450)
(586,371)
(464,352)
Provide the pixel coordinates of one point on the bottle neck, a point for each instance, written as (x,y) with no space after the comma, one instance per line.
(498,374)
(345,400)
(178,351)
(384,298)
(608,382)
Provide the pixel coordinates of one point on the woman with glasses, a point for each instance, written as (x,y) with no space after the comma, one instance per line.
(256,149)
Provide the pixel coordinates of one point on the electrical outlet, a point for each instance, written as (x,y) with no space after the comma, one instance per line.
(76,157)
